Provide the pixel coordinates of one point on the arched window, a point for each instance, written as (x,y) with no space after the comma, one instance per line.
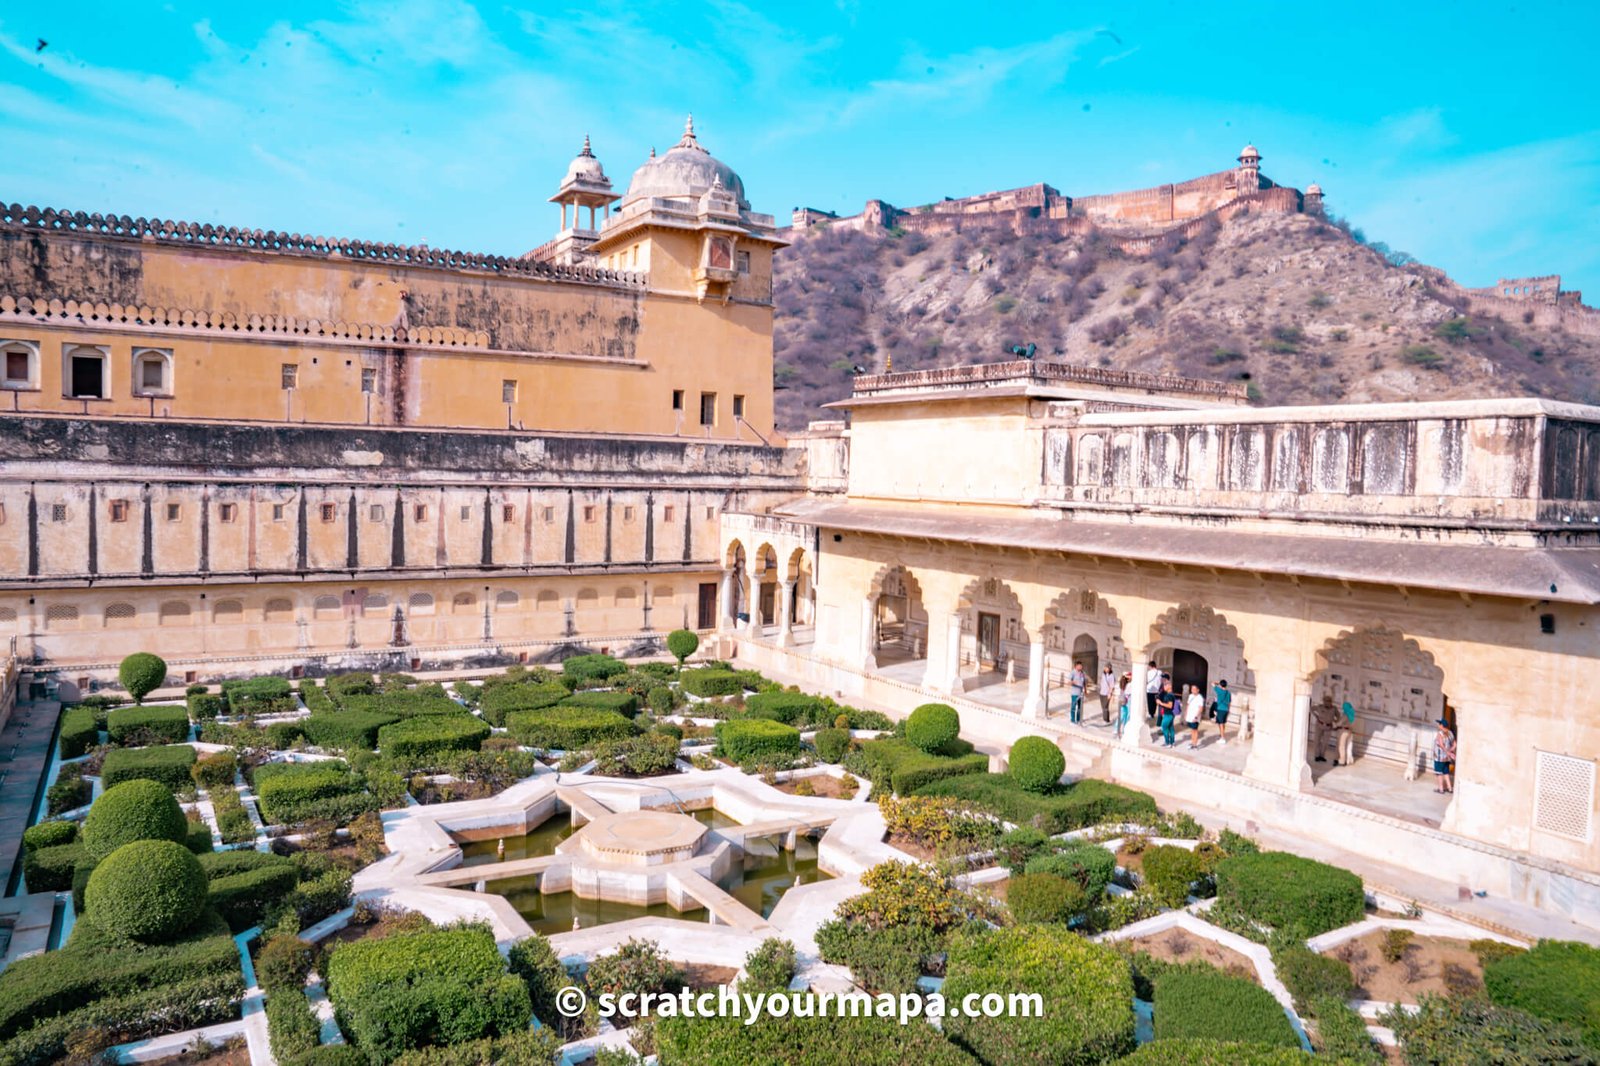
(326,607)
(19,365)
(588,599)
(174,613)
(152,372)
(61,616)
(506,600)
(464,603)
(547,600)
(626,597)
(421,603)
(119,615)
(227,612)
(375,604)
(279,610)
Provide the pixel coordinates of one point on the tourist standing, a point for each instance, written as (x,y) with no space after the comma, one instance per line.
(1323,719)
(1194,708)
(1221,704)
(1152,687)
(1166,709)
(1444,756)
(1077,682)
(1124,698)
(1108,687)
(1345,736)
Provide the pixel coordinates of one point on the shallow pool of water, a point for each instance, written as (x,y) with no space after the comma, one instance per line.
(769,871)
(554,913)
(712,818)
(542,841)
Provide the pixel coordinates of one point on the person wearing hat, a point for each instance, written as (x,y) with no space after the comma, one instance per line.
(1444,757)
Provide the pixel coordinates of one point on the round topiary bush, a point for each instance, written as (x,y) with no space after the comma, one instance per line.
(682,643)
(1037,764)
(150,890)
(140,809)
(932,726)
(141,674)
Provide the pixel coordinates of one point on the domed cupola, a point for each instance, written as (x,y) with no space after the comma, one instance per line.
(585,185)
(685,172)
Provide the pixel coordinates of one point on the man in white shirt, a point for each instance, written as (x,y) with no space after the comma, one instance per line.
(1108,685)
(1152,685)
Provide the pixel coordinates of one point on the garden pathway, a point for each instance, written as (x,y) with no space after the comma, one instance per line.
(24,755)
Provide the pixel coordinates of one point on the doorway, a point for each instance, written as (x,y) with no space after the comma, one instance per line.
(1188,668)
(988,641)
(1087,653)
(707,616)
(769,613)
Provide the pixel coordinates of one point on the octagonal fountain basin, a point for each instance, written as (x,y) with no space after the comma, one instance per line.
(642,838)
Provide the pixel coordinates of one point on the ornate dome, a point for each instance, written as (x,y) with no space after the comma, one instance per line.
(586,168)
(1249,153)
(1313,189)
(686,170)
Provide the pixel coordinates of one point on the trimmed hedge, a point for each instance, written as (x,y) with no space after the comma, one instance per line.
(80,731)
(216,770)
(1084,803)
(293,1028)
(1045,897)
(933,726)
(1216,1006)
(149,890)
(1214,1053)
(831,744)
(1284,891)
(198,839)
(133,810)
(292,792)
(1310,977)
(624,703)
(568,728)
(204,706)
(49,834)
(429,736)
(1036,764)
(500,700)
(592,669)
(1087,991)
(756,739)
(1090,865)
(171,724)
(49,869)
(404,703)
(242,884)
(710,681)
(1472,1030)
(1558,980)
(345,730)
(411,990)
(803,1041)
(786,707)
(167,763)
(1342,1034)
(901,766)
(526,1047)
(259,695)
(1169,870)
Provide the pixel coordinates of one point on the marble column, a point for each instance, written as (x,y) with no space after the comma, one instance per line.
(869,633)
(1033,706)
(1281,712)
(952,656)
(753,604)
(785,610)
(1137,733)
(725,620)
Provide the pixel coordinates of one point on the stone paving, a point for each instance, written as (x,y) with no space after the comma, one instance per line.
(24,757)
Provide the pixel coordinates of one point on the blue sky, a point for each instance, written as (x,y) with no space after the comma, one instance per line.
(1464,133)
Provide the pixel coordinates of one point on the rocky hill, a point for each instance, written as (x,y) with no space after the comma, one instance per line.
(1292,304)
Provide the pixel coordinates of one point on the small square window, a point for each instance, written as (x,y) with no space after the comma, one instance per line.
(588,512)
(330,511)
(119,510)
(19,366)
(711,512)
(375,512)
(419,512)
(708,408)
(58,512)
(508,512)
(627,514)
(508,392)
(290,376)
(369,380)
(677,399)
(549,514)
(228,511)
(277,512)
(466,513)
(174,512)
(744,262)
(667,513)
(738,407)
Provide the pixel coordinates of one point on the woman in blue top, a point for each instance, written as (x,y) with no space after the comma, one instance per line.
(1166,707)
(1222,701)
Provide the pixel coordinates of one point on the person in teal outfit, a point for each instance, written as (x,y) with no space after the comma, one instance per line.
(1221,703)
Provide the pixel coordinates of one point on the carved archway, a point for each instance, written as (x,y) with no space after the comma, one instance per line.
(899,618)
(992,633)
(1074,616)
(1393,685)
(1195,630)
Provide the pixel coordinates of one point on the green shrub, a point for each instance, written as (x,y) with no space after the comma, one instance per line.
(130,811)
(895,764)
(1089,865)
(1284,891)
(500,700)
(592,670)
(242,884)
(435,986)
(682,643)
(341,685)
(1087,991)
(662,699)
(1216,1006)
(831,744)
(770,967)
(756,739)
(259,695)
(79,732)
(624,703)
(1469,1030)
(149,890)
(540,968)
(640,756)
(888,959)
(216,770)
(284,961)
(345,730)
(290,792)
(803,1041)
(50,868)
(418,739)
(710,681)
(203,706)
(1214,1053)
(282,736)
(568,728)
(69,792)
(1342,1034)
(198,839)
(169,764)
(933,726)
(1558,980)
(404,703)
(1045,897)
(49,834)
(1037,764)
(790,708)
(636,966)
(1233,843)
(1308,976)
(169,724)
(526,1047)
(141,674)
(1085,803)
(1169,871)
(293,1028)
